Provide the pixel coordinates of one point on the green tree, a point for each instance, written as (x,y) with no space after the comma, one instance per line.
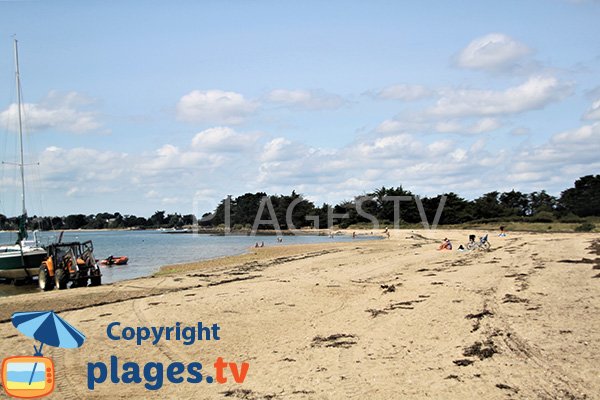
(75,221)
(487,206)
(541,202)
(158,219)
(514,203)
(583,199)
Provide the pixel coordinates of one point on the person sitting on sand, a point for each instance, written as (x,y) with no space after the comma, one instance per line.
(502,232)
(446,245)
(471,241)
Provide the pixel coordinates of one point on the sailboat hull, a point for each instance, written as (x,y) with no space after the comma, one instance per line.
(12,266)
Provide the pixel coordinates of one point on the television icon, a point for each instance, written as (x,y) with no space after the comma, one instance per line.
(28,377)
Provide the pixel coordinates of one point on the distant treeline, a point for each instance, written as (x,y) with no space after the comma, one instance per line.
(573,205)
(100,221)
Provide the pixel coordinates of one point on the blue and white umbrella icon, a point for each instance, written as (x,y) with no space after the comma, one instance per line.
(48,328)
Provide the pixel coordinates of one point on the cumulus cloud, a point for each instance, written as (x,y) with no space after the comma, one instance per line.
(493,52)
(570,153)
(520,131)
(404,92)
(60,111)
(282,149)
(170,160)
(594,112)
(222,139)
(81,171)
(305,99)
(215,106)
(536,93)
(480,126)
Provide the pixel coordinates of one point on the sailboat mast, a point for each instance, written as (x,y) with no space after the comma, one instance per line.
(22,163)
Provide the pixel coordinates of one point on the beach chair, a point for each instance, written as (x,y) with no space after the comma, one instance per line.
(483,244)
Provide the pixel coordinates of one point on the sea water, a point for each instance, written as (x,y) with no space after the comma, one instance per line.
(150,250)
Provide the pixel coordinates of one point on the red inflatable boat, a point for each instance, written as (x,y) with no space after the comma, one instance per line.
(112,260)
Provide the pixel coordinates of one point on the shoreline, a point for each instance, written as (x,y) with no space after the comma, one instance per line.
(379,313)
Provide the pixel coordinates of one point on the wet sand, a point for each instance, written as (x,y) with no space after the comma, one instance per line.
(382,319)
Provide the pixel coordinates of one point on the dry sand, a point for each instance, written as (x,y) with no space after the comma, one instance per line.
(384,319)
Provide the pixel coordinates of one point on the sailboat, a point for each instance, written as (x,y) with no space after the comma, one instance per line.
(21,260)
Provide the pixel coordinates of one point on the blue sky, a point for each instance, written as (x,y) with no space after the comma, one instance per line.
(137,106)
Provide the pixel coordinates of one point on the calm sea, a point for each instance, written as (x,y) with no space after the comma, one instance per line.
(150,250)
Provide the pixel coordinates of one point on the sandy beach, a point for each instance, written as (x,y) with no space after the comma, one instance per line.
(380,319)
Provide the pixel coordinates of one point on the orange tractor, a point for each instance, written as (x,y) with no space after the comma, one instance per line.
(69,262)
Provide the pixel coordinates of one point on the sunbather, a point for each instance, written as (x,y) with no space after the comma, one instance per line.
(446,245)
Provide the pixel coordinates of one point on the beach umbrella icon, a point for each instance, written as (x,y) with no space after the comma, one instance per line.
(48,328)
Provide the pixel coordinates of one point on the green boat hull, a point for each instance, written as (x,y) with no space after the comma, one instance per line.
(11,265)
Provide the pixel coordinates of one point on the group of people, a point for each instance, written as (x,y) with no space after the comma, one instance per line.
(262,244)
(447,244)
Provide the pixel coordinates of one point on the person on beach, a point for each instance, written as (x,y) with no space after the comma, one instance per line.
(502,232)
(353,235)
(446,245)
(471,241)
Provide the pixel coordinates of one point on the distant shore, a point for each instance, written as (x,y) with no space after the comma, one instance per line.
(548,227)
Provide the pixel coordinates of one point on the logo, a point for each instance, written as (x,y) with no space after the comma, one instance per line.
(28,377)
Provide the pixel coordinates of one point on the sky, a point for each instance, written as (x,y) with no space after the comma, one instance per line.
(138,106)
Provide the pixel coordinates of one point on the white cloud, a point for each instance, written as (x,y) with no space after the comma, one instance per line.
(480,126)
(169,160)
(222,139)
(594,112)
(535,93)
(520,131)
(305,99)
(215,106)
(403,125)
(494,51)
(404,92)
(565,154)
(173,176)
(281,149)
(59,111)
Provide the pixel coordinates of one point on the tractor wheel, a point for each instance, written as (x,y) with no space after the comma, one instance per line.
(45,281)
(96,278)
(61,279)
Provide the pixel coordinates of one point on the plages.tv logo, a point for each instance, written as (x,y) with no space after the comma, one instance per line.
(29,377)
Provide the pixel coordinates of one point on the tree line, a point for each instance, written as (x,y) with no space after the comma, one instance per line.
(100,221)
(573,205)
